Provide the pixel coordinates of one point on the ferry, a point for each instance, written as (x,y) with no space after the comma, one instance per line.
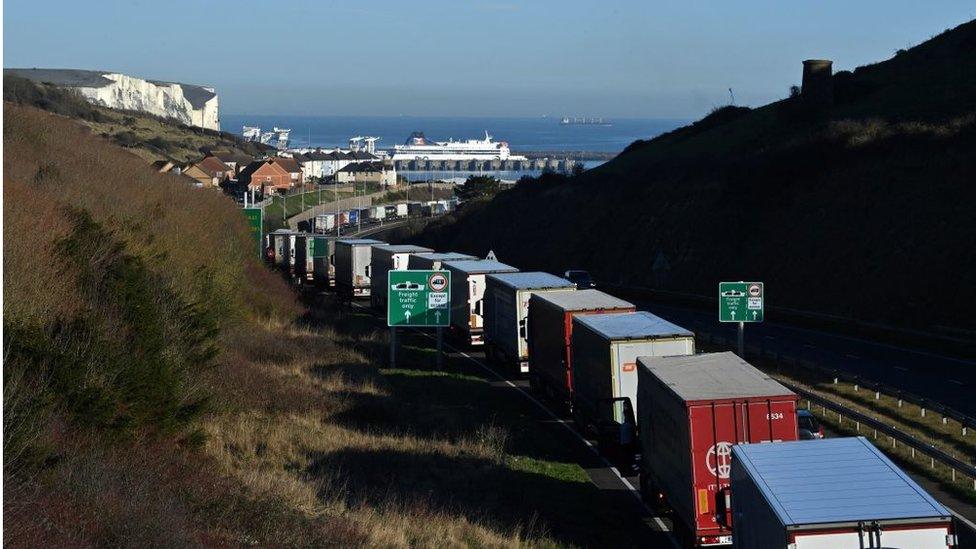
(418,147)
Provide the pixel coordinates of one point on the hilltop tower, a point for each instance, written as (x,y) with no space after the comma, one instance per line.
(818,83)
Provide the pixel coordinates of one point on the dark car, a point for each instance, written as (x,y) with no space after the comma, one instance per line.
(810,428)
(581,278)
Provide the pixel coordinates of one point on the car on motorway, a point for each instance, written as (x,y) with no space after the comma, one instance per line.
(582,278)
(407,286)
(810,428)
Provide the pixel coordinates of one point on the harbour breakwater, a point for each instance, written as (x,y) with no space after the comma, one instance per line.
(422,165)
(530,162)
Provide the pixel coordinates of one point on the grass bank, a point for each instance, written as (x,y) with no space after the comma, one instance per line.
(162,388)
(148,136)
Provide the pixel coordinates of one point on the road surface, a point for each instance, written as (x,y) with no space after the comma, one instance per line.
(649,530)
(947,380)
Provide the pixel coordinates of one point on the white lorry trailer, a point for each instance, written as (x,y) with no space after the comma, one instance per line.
(838,493)
(507,314)
(433,261)
(352,265)
(386,258)
(280,244)
(325,223)
(605,348)
(467,296)
(377,213)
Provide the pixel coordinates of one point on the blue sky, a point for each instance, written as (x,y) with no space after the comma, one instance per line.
(626,58)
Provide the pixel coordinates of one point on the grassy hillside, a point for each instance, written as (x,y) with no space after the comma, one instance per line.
(163,388)
(863,210)
(150,137)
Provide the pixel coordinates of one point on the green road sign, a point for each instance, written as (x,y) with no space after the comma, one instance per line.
(740,301)
(418,298)
(255,222)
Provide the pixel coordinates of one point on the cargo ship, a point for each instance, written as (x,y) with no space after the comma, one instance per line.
(567,121)
(418,147)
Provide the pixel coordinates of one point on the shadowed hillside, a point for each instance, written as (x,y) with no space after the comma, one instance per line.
(862,210)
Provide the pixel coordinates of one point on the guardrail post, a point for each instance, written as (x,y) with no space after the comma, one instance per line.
(932,465)
(922,408)
(875,434)
(899,402)
(945,420)
(856,387)
(857,426)
(835,380)
(913,452)
(877,395)
(893,444)
(964,430)
(953,475)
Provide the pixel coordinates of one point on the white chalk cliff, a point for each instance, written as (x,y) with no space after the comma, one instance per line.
(191,104)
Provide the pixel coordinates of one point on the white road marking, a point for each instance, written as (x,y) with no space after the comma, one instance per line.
(901,368)
(630,487)
(855,357)
(809,346)
(769,337)
(956,381)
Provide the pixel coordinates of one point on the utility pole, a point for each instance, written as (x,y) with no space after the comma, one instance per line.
(742,340)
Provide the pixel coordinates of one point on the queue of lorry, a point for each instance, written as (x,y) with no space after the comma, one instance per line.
(326,223)
(716,442)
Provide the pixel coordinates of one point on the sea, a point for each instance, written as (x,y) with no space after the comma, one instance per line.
(522,134)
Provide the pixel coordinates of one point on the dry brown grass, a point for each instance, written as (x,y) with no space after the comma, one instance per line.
(194,235)
(273,466)
(274,443)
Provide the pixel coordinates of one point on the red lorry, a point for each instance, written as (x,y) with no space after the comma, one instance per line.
(550,335)
(691,410)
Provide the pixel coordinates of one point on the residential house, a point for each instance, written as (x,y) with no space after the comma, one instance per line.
(266,176)
(293,168)
(209,171)
(316,164)
(236,160)
(382,173)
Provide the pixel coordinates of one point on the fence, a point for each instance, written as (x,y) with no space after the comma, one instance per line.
(364,201)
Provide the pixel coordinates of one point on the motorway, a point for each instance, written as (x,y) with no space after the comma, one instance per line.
(653,530)
(649,530)
(947,380)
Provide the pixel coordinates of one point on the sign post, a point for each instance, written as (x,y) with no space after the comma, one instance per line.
(255,222)
(741,302)
(418,299)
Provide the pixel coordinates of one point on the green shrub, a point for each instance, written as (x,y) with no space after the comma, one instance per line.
(132,358)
